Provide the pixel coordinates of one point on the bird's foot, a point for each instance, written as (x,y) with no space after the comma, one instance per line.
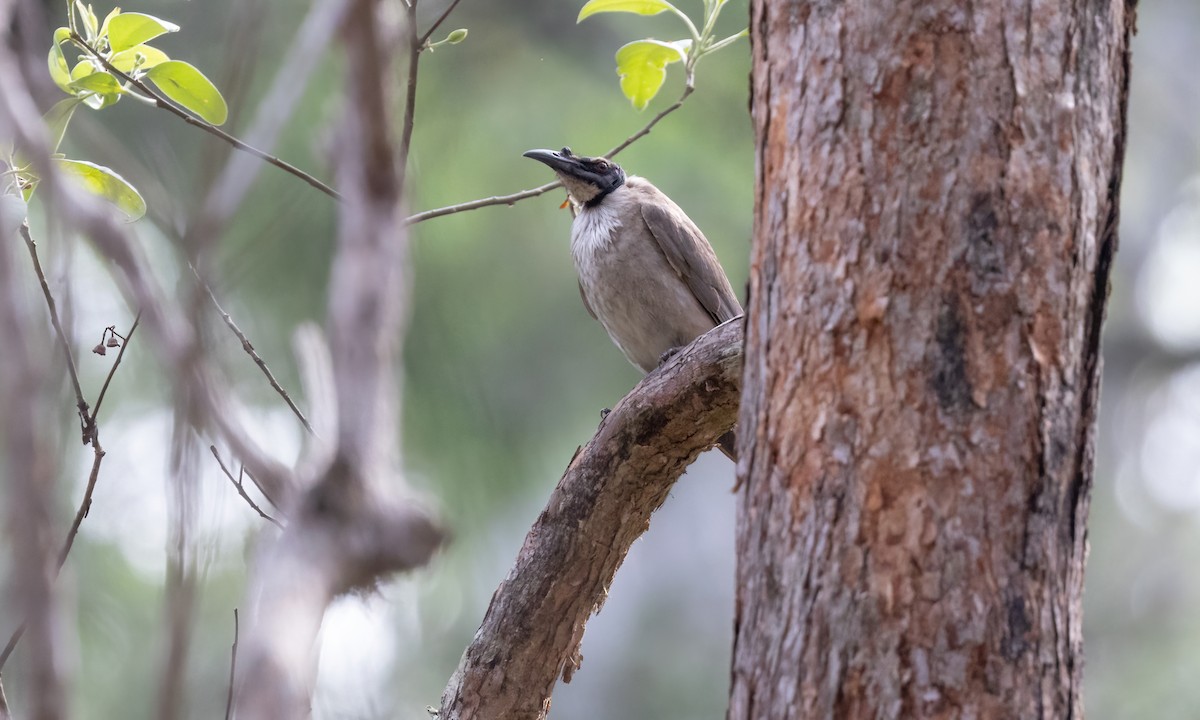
(672,352)
(604,413)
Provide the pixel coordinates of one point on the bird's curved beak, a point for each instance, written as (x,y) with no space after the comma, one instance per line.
(556,160)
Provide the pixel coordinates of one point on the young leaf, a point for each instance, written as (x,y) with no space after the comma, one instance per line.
(56,119)
(127,59)
(129,29)
(107,184)
(187,86)
(107,19)
(640,7)
(642,66)
(88,17)
(59,72)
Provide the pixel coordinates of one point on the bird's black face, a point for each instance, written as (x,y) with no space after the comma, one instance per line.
(587,179)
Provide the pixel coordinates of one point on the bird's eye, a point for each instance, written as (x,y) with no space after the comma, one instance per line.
(566,151)
(602,165)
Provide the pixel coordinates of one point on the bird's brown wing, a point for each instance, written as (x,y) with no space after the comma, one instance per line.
(586,306)
(688,252)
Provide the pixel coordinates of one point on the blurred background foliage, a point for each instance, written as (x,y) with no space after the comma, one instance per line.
(505,374)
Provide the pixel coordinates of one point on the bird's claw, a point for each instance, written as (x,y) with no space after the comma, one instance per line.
(662,359)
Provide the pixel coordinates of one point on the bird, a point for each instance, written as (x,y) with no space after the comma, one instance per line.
(646,271)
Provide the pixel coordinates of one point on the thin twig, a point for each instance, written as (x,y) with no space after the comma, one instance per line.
(207,127)
(237,483)
(534,192)
(415,45)
(104,388)
(249,348)
(437,23)
(232,667)
(80,404)
(85,505)
(687,90)
(4,712)
(481,203)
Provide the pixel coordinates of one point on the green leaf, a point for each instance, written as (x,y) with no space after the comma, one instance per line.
(97,89)
(83,68)
(56,119)
(640,7)
(129,29)
(100,83)
(187,86)
(107,184)
(59,72)
(642,66)
(127,59)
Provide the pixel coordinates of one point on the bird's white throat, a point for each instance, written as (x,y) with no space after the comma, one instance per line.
(593,227)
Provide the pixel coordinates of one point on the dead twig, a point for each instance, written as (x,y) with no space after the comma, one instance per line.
(238,483)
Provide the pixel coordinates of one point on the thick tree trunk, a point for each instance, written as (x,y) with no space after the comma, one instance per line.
(934,225)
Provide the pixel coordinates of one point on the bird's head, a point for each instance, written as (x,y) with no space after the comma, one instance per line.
(588,180)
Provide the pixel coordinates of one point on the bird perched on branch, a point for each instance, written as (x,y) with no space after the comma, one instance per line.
(646,272)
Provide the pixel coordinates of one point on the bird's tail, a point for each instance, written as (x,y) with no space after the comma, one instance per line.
(727,444)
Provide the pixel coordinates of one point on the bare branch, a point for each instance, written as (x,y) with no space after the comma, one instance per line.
(85,504)
(415,46)
(232,667)
(213,130)
(237,483)
(531,633)
(348,529)
(249,348)
(113,370)
(80,404)
(534,192)
(4,712)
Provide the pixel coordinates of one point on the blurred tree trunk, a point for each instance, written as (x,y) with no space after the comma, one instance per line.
(936,210)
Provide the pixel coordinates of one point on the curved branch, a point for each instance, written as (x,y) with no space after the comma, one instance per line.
(532,630)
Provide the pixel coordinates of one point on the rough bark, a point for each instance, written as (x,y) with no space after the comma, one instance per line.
(935,220)
(531,633)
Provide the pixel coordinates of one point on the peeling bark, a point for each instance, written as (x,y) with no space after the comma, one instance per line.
(935,220)
(533,627)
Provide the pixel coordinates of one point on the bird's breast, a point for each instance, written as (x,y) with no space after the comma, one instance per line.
(636,295)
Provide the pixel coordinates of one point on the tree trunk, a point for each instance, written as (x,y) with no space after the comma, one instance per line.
(936,211)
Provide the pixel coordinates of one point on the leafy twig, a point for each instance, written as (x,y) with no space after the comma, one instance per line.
(249,348)
(437,23)
(161,102)
(534,192)
(238,483)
